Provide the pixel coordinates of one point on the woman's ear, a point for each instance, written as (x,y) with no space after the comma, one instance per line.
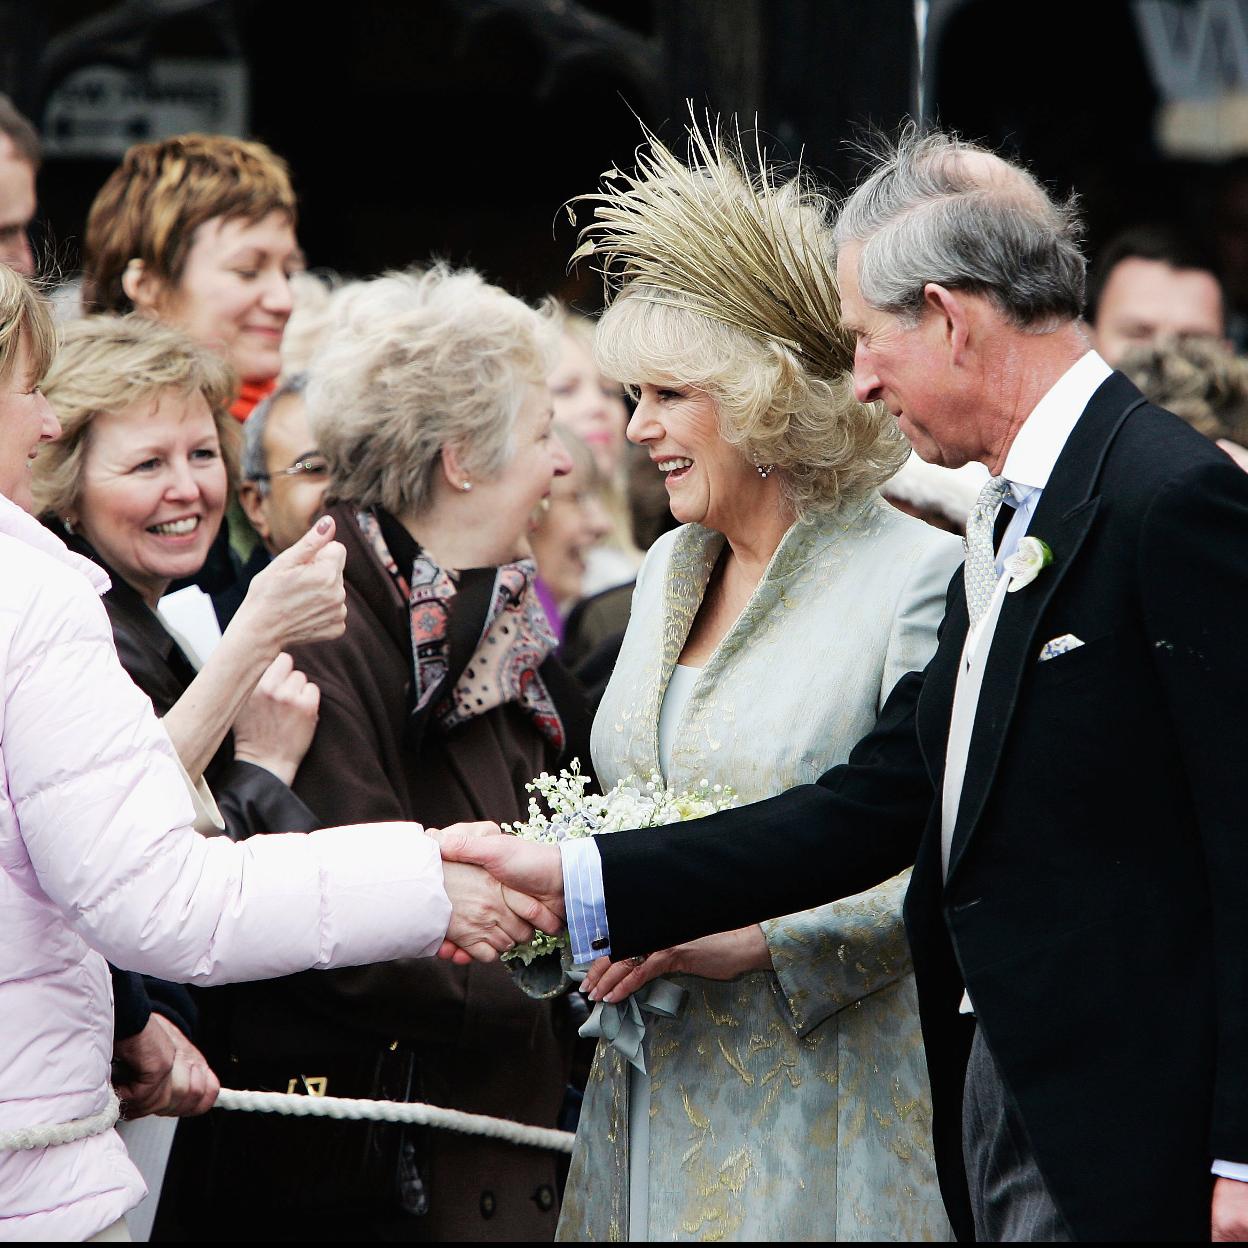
(453,469)
(142,287)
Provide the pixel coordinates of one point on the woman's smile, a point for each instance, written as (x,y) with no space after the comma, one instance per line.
(675,468)
(181,530)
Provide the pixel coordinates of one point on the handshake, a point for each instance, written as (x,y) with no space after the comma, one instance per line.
(500,888)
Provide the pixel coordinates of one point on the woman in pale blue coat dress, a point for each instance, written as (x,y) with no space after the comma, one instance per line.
(788,1098)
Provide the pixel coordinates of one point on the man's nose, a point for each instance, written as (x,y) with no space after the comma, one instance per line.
(866,384)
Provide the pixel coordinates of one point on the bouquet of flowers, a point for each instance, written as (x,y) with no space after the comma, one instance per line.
(571,813)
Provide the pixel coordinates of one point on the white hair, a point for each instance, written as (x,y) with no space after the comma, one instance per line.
(415,363)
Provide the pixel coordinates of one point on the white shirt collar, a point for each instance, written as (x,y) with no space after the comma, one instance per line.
(1043,434)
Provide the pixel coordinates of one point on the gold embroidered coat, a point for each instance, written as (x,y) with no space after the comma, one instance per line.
(794,1104)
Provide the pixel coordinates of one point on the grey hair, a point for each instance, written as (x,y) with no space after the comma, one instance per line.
(255,463)
(938,209)
(416,363)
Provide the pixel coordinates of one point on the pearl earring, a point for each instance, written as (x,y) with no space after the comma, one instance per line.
(69,525)
(465,486)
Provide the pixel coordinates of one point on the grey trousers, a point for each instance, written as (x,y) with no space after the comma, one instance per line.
(1009,1199)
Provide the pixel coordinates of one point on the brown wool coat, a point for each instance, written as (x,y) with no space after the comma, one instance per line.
(481,1044)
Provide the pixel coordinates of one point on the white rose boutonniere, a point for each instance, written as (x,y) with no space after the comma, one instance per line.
(1027,562)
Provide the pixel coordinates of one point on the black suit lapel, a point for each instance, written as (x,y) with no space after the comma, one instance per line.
(1063,518)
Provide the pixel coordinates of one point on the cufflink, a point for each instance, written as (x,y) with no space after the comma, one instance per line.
(601,943)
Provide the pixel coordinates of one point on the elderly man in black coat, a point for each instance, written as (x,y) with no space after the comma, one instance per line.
(1065,772)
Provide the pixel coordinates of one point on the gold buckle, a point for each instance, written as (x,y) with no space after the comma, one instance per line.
(313,1085)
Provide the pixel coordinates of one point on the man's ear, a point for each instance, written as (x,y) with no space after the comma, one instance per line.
(950,309)
(252,503)
(142,287)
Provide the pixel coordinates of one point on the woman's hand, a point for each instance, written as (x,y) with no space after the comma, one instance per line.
(483,923)
(300,595)
(277,723)
(163,1073)
(724,956)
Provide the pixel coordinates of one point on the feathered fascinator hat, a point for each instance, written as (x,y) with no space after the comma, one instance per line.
(706,235)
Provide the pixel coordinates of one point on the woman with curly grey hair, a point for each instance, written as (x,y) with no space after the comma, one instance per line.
(787,1098)
(428,401)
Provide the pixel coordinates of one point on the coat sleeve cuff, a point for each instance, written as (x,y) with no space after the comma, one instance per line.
(835,955)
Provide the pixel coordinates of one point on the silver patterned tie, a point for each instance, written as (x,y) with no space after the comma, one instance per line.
(980,574)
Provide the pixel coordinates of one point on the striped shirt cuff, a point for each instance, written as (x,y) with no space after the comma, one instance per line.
(585,902)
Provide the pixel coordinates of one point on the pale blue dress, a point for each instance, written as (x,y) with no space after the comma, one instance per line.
(791,1104)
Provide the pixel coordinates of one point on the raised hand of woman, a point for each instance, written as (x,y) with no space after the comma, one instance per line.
(277,723)
(300,596)
(724,956)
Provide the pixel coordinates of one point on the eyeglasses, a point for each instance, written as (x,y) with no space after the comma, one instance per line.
(314,467)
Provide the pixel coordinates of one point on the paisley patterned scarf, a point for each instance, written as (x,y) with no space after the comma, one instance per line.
(479,638)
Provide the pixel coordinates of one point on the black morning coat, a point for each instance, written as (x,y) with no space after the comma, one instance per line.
(1097,899)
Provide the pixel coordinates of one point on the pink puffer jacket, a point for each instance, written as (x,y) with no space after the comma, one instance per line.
(98,860)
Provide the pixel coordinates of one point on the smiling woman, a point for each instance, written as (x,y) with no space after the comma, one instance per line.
(765,634)
(198,231)
(137,483)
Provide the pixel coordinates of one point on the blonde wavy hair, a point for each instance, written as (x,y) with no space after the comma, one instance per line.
(161,193)
(419,362)
(24,316)
(724,280)
(826,446)
(107,364)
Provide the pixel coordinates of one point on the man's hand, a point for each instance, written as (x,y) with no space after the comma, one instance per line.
(163,1073)
(532,881)
(1230,1211)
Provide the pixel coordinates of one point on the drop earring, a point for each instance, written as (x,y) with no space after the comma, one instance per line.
(764,470)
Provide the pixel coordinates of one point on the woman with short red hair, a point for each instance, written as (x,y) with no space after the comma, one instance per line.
(199,231)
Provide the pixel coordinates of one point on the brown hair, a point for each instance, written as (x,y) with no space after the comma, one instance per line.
(161,193)
(108,363)
(24,316)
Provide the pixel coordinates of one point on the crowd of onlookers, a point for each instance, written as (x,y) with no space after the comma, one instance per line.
(214,399)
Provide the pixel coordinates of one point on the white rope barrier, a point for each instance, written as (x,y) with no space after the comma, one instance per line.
(62,1132)
(300,1106)
(414,1112)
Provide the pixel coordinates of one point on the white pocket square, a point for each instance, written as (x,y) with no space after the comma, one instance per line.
(1059,645)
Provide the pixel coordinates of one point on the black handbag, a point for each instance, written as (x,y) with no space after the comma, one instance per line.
(306,1164)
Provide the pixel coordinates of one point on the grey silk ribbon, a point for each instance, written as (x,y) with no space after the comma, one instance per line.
(623,1024)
